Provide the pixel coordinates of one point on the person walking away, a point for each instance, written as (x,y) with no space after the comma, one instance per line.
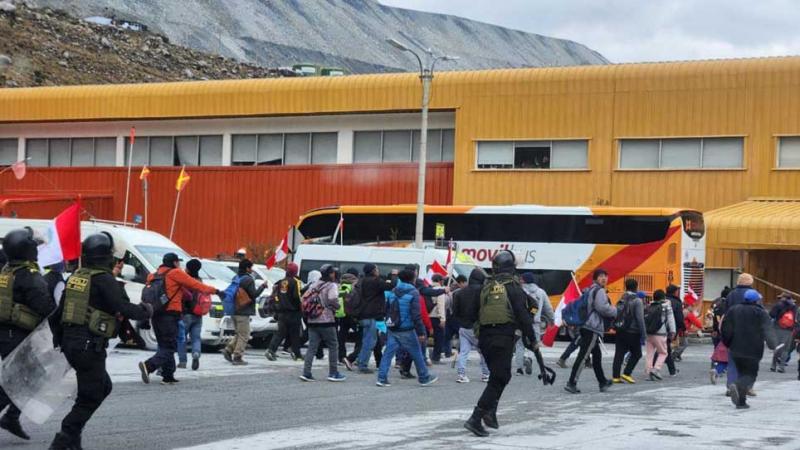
(345,322)
(285,299)
(660,324)
(451,324)
(466,305)
(405,330)
(677,311)
(542,311)
(372,309)
(165,321)
(736,297)
(82,326)
(22,290)
(193,323)
(438,320)
(631,332)
(599,311)
(745,328)
(783,316)
(503,310)
(242,312)
(319,304)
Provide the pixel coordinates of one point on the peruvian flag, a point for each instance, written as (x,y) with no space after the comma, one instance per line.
(690,298)
(281,252)
(572,293)
(63,238)
(435,269)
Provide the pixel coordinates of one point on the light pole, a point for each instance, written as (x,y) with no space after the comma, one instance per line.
(426,77)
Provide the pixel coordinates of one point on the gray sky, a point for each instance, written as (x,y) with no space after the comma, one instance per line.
(644,30)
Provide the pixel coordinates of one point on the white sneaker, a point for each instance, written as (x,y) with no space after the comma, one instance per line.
(462,379)
(485,378)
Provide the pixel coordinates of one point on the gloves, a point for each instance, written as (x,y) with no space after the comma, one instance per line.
(220,294)
(148,308)
(530,344)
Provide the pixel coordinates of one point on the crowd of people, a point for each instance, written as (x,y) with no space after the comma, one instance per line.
(502,316)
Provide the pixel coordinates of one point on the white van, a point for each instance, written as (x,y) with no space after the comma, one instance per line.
(143,251)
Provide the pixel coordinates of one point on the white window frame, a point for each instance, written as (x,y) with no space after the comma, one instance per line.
(660,153)
(779,142)
(414,135)
(70,146)
(521,143)
(310,135)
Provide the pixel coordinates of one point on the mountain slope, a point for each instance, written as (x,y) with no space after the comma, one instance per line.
(345,33)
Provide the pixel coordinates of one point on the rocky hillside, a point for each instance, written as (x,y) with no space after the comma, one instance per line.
(43,47)
(345,33)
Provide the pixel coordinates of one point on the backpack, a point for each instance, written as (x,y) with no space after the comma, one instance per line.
(312,304)
(495,306)
(393,318)
(786,321)
(155,292)
(577,313)
(202,305)
(352,301)
(624,317)
(229,298)
(654,318)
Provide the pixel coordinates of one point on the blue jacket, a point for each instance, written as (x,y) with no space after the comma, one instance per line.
(736,296)
(410,315)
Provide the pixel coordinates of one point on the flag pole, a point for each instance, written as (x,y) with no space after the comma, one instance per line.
(128,182)
(177,202)
(341,226)
(145,202)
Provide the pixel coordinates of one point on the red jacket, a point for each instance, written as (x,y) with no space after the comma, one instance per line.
(690,319)
(426,319)
(175,281)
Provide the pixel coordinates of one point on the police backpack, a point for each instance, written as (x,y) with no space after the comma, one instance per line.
(495,306)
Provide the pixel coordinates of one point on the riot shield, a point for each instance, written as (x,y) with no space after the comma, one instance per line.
(37,377)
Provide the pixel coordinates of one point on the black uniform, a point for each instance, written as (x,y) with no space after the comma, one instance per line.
(30,290)
(86,352)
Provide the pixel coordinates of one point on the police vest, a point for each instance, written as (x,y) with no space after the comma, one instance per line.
(495,306)
(11,312)
(77,311)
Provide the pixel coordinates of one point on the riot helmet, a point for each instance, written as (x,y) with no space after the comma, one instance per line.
(504,262)
(20,245)
(98,250)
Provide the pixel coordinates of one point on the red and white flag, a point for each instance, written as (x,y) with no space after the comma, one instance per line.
(690,298)
(63,238)
(281,252)
(19,169)
(435,269)
(571,293)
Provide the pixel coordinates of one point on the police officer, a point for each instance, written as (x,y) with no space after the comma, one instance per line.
(92,303)
(502,311)
(24,302)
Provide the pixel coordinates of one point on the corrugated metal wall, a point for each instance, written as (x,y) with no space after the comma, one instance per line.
(223,209)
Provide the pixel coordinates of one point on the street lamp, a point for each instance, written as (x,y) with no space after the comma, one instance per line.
(426,76)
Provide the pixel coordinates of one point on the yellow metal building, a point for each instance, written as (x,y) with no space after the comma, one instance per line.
(720,136)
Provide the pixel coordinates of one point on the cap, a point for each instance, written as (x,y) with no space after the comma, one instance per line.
(170,259)
(752,296)
(527,277)
(641,294)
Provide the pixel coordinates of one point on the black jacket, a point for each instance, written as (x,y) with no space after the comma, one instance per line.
(781,308)
(248,284)
(735,297)
(745,328)
(107,295)
(30,290)
(53,279)
(519,307)
(373,301)
(467,300)
(677,312)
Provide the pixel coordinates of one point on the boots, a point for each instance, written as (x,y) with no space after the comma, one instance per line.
(490,419)
(474,423)
(13,426)
(238,361)
(64,441)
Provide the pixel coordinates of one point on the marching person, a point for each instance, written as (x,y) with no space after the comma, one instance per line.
(371,310)
(503,309)
(661,323)
(465,302)
(783,318)
(631,332)
(677,312)
(286,303)
(193,323)
(86,319)
(322,327)
(735,297)
(744,329)
(542,310)
(165,322)
(234,351)
(22,291)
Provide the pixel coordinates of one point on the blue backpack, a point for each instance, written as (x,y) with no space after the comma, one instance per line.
(577,313)
(229,299)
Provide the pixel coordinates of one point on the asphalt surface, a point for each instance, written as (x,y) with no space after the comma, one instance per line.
(265,405)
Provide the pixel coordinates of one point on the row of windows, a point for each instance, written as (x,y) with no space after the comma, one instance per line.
(532,154)
(176,150)
(288,148)
(706,153)
(402,146)
(75,152)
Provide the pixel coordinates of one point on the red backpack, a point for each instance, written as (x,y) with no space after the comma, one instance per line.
(787,320)
(202,306)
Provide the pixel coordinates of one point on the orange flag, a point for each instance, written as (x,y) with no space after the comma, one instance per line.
(183,180)
(144,174)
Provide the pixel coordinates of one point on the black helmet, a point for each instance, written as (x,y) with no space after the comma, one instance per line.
(326,270)
(98,250)
(504,262)
(19,245)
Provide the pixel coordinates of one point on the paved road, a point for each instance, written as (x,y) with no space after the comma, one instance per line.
(264,405)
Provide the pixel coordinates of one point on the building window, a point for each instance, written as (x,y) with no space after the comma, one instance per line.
(402,145)
(8,151)
(289,148)
(74,152)
(176,150)
(571,154)
(682,153)
(789,152)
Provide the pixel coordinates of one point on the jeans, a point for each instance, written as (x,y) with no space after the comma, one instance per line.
(194,327)
(325,335)
(181,340)
(238,344)
(589,345)
(468,342)
(408,341)
(779,356)
(520,352)
(438,339)
(166,329)
(369,334)
(498,350)
(656,353)
(733,373)
(626,343)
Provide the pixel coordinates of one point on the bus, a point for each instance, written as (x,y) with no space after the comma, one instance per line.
(655,246)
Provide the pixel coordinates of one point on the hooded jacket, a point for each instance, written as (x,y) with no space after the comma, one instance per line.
(410,313)
(736,297)
(677,312)
(745,328)
(373,300)
(467,300)
(600,310)
(329,294)
(175,280)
